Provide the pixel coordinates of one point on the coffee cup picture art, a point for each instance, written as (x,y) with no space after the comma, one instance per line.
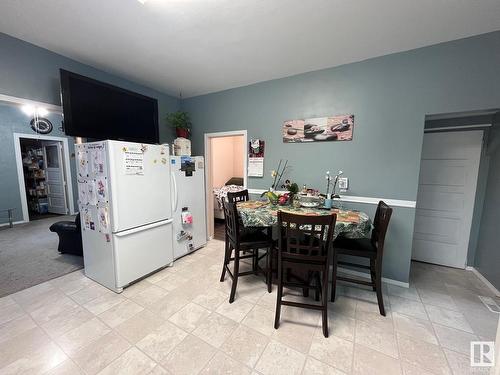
(320,129)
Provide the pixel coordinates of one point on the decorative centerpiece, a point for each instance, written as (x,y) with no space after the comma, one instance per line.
(329,197)
(277,174)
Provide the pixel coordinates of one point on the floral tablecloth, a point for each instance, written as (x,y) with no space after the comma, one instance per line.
(351,224)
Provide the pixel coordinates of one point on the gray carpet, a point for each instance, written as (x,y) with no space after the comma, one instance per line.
(29,256)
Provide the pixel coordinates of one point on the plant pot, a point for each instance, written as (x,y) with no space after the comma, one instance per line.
(182,132)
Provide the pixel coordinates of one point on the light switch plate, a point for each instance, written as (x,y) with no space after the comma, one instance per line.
(343,183)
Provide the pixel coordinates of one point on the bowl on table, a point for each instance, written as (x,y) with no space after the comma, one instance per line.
(309,201)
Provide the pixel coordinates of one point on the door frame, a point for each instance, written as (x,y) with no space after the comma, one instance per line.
(476,166)
(208,171)
(20,172)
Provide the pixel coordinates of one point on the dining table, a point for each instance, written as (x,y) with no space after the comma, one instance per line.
(350,223)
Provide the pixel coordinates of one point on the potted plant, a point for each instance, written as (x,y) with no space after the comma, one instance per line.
(181,122)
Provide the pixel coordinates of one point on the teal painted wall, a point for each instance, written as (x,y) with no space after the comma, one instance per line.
(389,97)
(31,72)
(13,120)
(487,254)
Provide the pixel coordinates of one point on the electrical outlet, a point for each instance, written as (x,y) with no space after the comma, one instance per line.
(343,183)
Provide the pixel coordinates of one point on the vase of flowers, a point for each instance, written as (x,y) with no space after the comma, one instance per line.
(333,195)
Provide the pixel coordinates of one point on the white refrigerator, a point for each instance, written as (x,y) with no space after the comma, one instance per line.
(125,207)
(188,204)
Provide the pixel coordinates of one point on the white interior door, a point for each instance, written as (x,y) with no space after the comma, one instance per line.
(54,177)
(445,200)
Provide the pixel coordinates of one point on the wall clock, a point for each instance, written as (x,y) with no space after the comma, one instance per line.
(41,125)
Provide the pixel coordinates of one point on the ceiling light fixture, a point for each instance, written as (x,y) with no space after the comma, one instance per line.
(31,110)
(28,109)
(142,1)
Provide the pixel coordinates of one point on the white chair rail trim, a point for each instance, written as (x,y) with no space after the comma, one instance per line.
(358,199)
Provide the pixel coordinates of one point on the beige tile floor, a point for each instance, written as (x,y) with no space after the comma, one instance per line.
(179,321)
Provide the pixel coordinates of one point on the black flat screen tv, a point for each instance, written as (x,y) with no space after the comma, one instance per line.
(98,110)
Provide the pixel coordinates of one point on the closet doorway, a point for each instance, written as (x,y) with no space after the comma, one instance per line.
(44,176)
(226,170)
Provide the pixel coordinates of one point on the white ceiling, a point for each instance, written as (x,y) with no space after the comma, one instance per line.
(202,46)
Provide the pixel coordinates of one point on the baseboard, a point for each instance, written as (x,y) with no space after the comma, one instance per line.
(14,223)
(484,280)
(366,276)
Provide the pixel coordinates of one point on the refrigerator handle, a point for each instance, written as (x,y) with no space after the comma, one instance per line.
(143,228)
(175,197)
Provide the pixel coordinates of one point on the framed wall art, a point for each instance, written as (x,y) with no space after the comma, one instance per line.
(319,129)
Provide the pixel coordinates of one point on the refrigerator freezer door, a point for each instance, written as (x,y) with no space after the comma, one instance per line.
(140,251)
(139,176)
(98,258)
(190,194)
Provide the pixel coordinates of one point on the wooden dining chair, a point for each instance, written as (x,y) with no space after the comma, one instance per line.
(243,196)
(370,248)
(238,196)
(245,245)
(304,248)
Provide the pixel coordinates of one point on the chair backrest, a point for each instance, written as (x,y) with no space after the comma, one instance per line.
(239,196)
(232,224)
(305,238)
(380,224)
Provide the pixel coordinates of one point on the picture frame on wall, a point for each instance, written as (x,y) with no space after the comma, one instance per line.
(319,129)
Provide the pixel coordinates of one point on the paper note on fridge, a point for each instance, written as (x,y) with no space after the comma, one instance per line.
(102,189)
(133,160)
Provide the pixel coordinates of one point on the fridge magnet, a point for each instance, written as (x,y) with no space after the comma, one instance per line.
(163,160)
(81,157)
(82,193)
(101,188)
(187,165)
(335,128)
(97,157)
(87,218)
(103,218)
(133,161)
(91,192)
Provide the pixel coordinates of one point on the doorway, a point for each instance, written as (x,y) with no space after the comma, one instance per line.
(446,194)
(44,176)
(226,170)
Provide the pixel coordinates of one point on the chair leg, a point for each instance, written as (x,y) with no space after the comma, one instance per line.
(372,272)
(324,300)
(227,256)
(236,272)
(334,277)
(378,284)
(278,298)
(269,270)
(318,290)
(255,260)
